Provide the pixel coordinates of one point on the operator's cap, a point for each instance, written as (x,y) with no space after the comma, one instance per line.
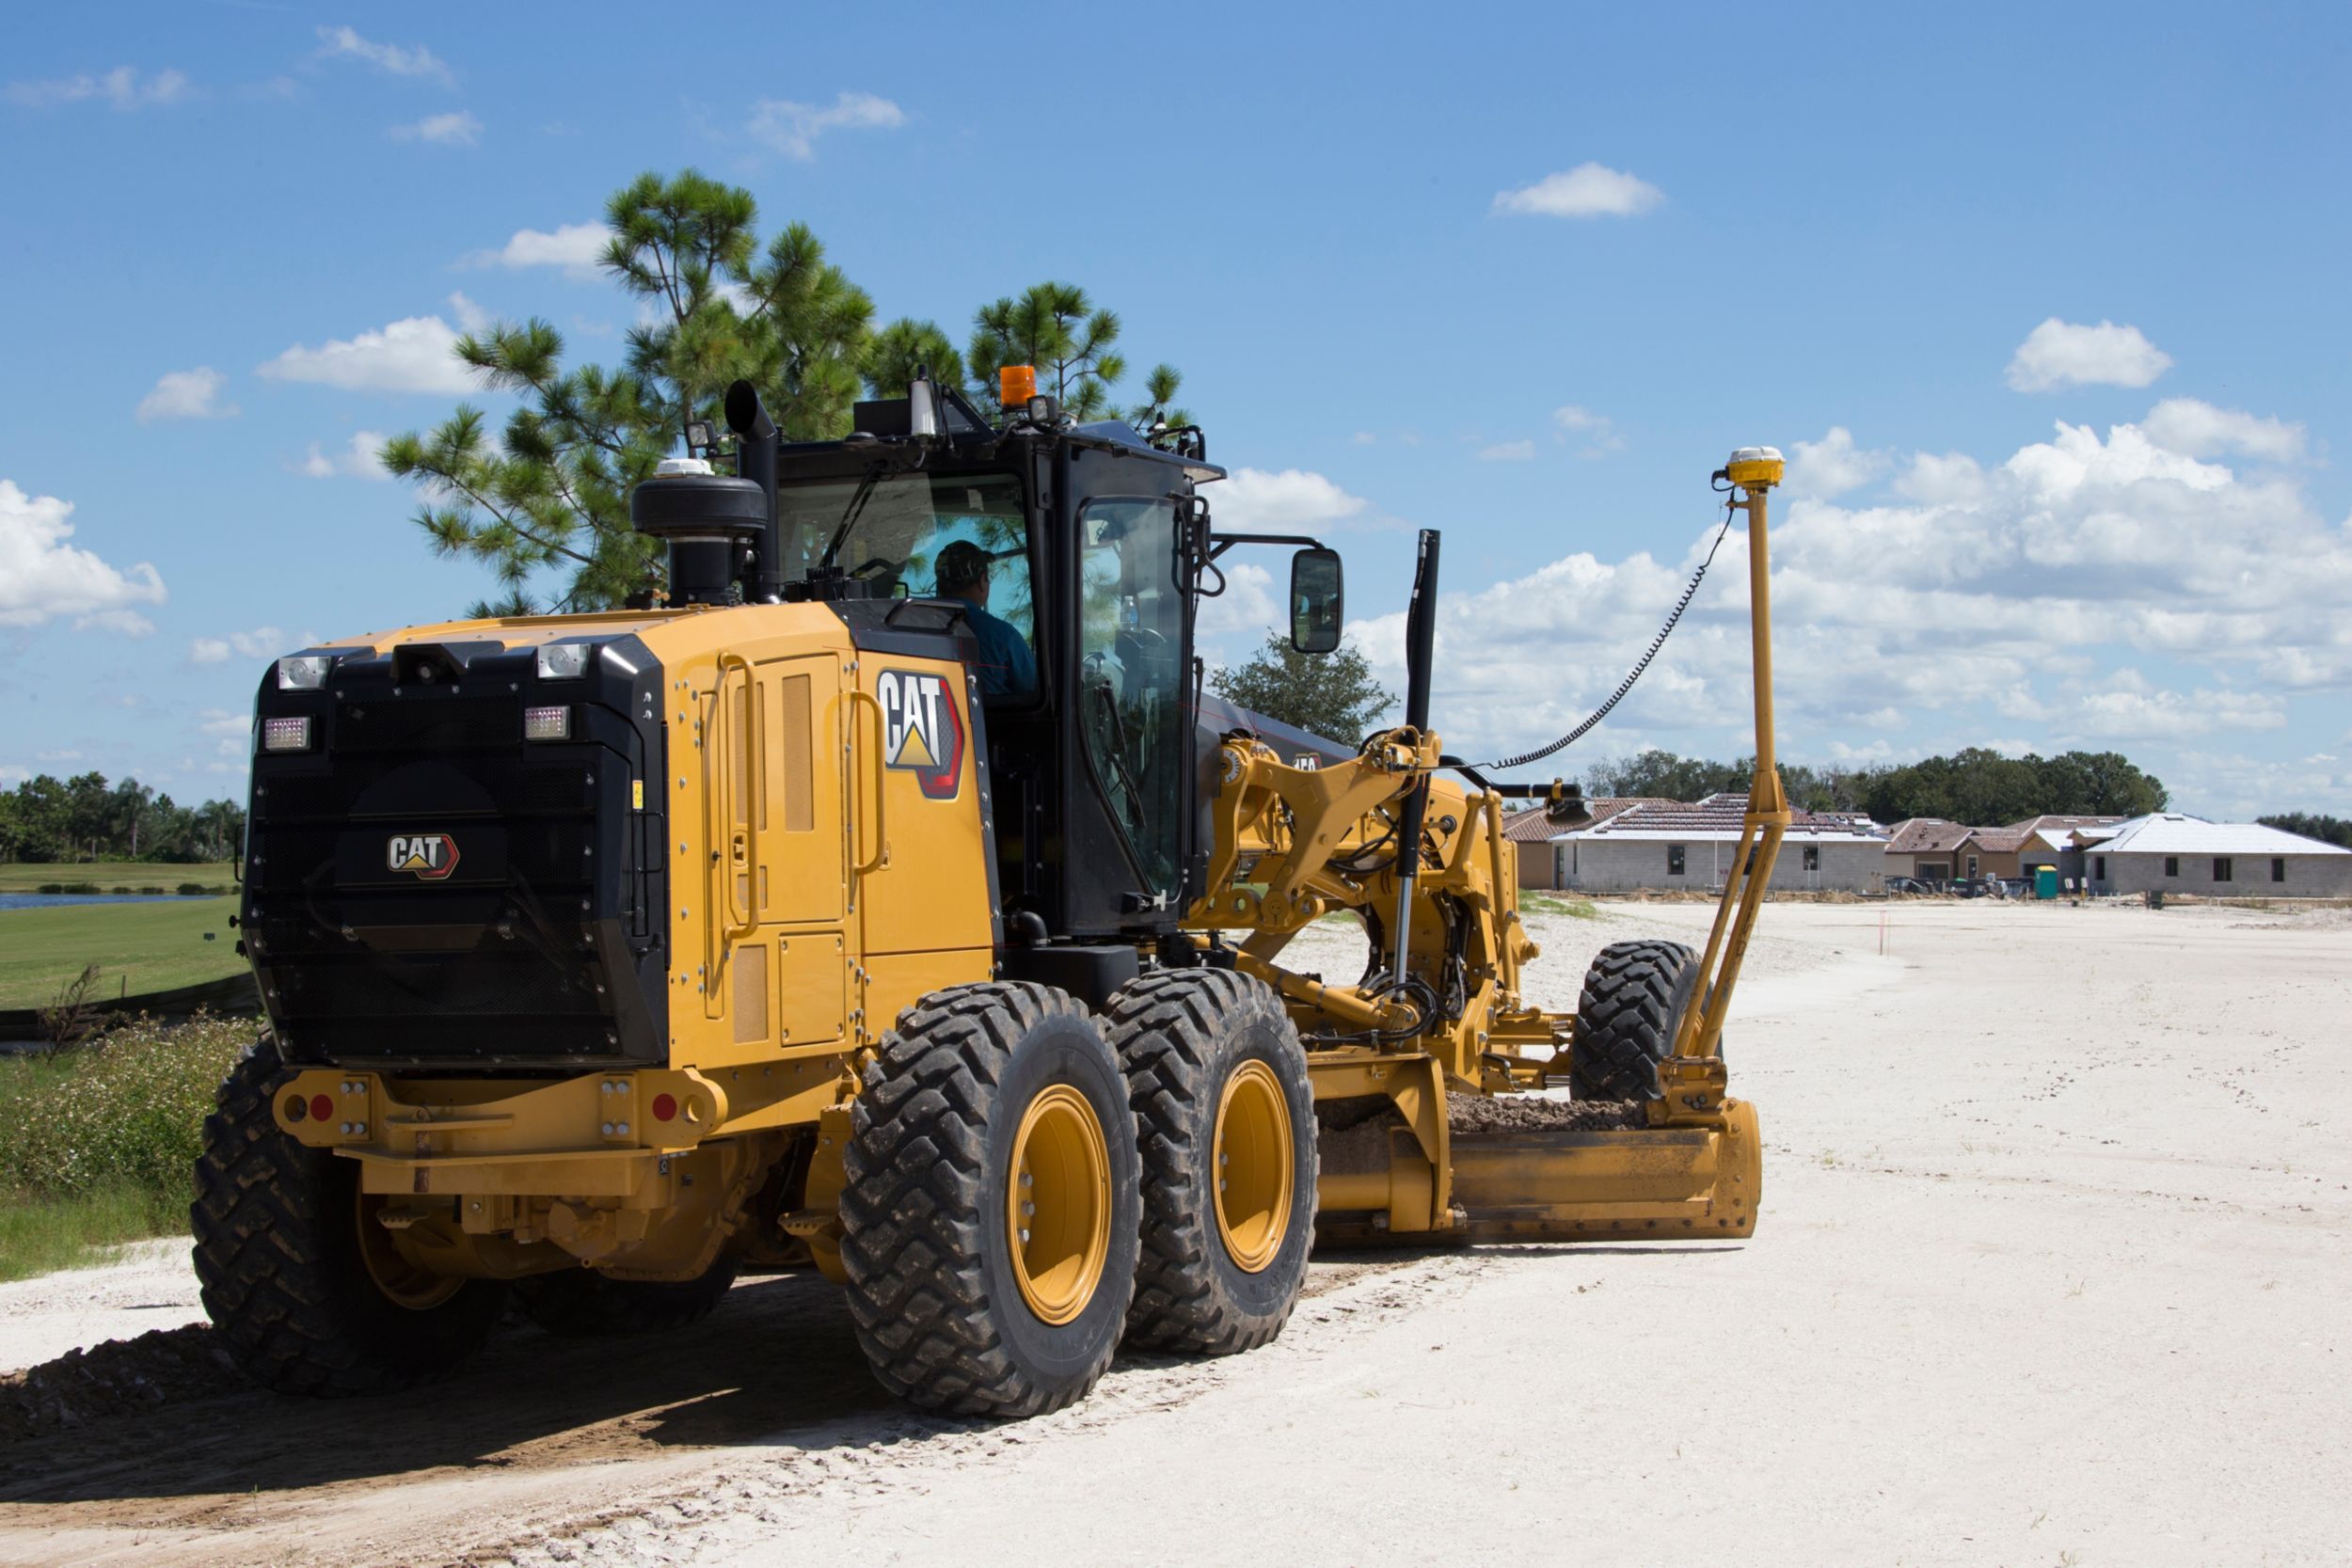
(961,564)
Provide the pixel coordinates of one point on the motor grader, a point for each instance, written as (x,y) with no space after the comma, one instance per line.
(803,919)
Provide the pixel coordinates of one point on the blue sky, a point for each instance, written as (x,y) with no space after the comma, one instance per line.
(2046,306)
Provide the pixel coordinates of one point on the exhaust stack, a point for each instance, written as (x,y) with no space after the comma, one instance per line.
(756,460)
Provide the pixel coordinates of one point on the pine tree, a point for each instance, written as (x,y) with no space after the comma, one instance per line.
(552,491)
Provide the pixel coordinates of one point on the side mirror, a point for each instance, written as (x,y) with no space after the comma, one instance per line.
(1317,601)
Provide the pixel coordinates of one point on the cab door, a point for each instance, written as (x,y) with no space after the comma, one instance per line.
(779,856)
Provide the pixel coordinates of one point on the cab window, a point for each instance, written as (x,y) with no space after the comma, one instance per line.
(1131,686)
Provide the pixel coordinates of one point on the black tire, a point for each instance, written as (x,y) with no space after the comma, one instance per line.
(926,1228)
(1181,1036)
(581,1303)
(277,1256)
(1634,1000)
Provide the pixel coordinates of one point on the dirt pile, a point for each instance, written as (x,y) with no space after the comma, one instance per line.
(1526,1113)
(117,1378)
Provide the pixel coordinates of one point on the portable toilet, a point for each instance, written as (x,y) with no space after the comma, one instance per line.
(2045,881)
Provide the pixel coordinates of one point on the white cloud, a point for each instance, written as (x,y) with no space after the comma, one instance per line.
(1599,435)
(792,129)
(2130,710)
(417,354)
(456,129)
(2066,353)
(187,395)
(1363,438)
(342,43)
(261,642)
(1832,465)
(361,457)
(575,248)
(1964,597)
(121,89)
(1253,501)
(1588,190)
(221,721)
(44,578)
(2201,430)
(1507,452)
(1249,604)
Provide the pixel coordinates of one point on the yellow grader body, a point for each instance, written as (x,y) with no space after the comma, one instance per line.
(839,994)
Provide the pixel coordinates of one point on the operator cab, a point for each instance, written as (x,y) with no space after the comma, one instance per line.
(1058,562)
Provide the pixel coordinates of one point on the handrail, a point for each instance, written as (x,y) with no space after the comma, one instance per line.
(882,782)
(742,924)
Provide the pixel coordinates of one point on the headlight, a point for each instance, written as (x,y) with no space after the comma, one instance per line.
(286,735)
(564,661)
(546,723)
(303,672)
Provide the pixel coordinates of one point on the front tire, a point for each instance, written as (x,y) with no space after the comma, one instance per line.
(1635,996)
(1226,1122)
(306,1292)
(990,1215)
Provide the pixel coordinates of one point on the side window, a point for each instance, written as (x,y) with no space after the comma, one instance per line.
(1813,857)
(2222,868)
(1674,860)
(1131,683)
(2278,868)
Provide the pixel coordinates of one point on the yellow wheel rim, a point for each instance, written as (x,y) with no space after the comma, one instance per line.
(1058,1204)
(403,1283)
(1253,1156)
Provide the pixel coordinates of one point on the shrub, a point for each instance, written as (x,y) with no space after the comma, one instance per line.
(128,1108)
(117,890)
(78,887)
(51,888)
(191,890)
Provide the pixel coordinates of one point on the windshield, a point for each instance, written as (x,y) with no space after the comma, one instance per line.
(903,523)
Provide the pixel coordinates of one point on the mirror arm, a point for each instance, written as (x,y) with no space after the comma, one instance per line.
(1221,543)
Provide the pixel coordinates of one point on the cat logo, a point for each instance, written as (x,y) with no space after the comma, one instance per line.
(922,731)
(430,857)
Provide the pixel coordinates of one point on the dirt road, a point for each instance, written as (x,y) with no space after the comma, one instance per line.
(2050,1269)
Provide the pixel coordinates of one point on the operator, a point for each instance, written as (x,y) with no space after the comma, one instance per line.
(1007,667)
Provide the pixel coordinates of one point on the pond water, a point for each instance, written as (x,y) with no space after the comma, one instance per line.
(55,900)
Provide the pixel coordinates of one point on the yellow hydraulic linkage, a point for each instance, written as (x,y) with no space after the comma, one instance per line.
(1693,1079)
(1438,1024)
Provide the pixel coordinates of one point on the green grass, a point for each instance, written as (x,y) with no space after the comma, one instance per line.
(42,1235)
(145,946)
(1545,903)
(106,875)
(96,1141)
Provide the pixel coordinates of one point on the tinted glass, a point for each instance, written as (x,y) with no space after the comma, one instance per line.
(1131,681)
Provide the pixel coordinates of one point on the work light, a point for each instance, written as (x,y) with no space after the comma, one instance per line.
(286,735)
(546,723)
(303,672)
(563,661)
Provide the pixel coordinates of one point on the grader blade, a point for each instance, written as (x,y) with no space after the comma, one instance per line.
(1680,1182)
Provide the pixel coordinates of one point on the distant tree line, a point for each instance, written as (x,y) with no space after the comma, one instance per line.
(1976,786)
(86,818)
(2328,829)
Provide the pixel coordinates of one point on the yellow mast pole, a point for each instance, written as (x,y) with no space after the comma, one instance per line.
(1752,471)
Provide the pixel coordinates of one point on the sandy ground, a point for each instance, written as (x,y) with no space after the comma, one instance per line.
(2050,1269)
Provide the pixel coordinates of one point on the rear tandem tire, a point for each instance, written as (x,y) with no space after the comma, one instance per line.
(1206,1048)
(1634,998)
(581,1303)
(279,1256)
(956,1307)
